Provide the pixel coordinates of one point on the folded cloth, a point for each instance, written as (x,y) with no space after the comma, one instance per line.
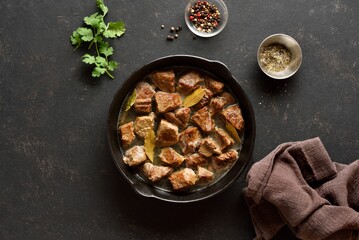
(299,186)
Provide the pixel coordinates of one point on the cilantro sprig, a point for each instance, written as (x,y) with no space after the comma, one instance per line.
(94,34)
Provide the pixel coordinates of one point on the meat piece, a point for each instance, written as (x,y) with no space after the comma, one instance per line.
(167,101)
(135,156)
(167,134)
(233,115)
(189,82)
(203,118)
(183,179)
(155,173)
(213,85)
(224,160)
(127,134)
(144,94)
(208,147)
(180,117)
(164,80)
(189,140)
(171,117)
(204,173)
(171,157)
(143,105)
(195,160)
(229,98)
(225,139)
(143,124)
(183,114)
(205,100)
(217,103)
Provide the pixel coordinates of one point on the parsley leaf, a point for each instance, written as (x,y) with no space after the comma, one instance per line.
(76,39)
(89,59)
(85,33)
(94,20)
(114,29)
(92,34)
(98,71)
(105,49)
(100,4)
(112,65)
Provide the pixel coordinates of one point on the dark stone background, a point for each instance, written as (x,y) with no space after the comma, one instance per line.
(57,178)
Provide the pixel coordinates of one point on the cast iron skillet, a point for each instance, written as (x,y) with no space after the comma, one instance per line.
(220,71)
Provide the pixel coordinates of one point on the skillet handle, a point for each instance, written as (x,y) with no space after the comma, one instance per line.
(142,189)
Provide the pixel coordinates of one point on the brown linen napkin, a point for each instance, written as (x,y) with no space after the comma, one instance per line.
(299,186)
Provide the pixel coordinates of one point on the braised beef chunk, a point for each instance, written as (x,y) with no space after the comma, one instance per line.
(127,134)
(203,118)
(167,134)
(229,98)
(144,94)
(183,114)
(195,160)
(143,124)
(189,82)
(183,179)
(164,80)
(135,156)
(213,85)
(208,147)
(217,103)
(143,105)
(167,101)
(171,157)
(189,140)
(225,139)
(224,159)
(171,117)
(180,117)
(155,173)
(205,100)
(233,115)
(204,173)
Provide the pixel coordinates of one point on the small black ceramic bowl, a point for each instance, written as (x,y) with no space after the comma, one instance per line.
(221,72)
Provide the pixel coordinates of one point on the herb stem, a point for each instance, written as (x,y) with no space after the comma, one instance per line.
(98,53)
(109,74)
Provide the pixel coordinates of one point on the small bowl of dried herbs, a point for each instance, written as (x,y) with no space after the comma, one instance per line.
(206,18)
(279,56)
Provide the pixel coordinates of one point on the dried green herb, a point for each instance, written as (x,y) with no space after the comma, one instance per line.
(230,128)
(194,97)
(130,101)
(150,144)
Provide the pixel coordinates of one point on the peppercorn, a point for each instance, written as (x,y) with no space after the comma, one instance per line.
(172,29)
(162,26)
(170,38)
(176,35)
(204,16)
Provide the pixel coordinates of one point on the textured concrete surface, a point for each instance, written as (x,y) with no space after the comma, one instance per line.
(57,178)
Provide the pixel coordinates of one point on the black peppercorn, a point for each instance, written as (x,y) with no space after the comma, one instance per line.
(204,16)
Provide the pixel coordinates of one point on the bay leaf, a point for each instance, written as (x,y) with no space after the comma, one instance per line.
(150,144)
(130,101)
(194,97)
(233,132)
